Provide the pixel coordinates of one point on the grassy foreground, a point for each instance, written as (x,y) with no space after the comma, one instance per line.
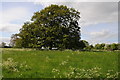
(59,64)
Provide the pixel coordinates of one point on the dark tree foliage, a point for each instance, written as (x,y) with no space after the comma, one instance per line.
(113,46)
(53,27)
(90,47)
(2,45)
(13,40)
(100,46)
(83,44)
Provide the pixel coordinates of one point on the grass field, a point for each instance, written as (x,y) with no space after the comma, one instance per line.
(29,63)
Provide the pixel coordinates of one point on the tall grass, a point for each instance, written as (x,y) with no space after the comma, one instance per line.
(24,63)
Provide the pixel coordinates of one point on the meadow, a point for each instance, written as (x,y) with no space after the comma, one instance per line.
(28,63)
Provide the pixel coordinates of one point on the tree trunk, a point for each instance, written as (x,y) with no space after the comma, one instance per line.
(51,45)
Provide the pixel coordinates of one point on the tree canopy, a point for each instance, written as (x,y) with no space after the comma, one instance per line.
(83,44)
(2,45)
(55,26)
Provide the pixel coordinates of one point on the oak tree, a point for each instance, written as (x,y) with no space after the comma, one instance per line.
(55,26)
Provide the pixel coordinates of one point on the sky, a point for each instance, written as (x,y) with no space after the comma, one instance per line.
(98,22)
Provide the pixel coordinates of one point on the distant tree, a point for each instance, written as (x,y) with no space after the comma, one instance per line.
(53,27)
(97,46)
(13,40)
(114,46)
(118,46)
(83,44)
(100,46)
(90,47)
(3,44)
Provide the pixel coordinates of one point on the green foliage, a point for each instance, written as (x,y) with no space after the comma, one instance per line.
(90,47)
(83,44)
(100,46)
(3,44)
(18,43)
(15,41)
(53,27)
(113,46)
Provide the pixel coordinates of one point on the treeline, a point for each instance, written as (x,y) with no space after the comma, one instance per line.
(3,45)
(83,45)
(103,46)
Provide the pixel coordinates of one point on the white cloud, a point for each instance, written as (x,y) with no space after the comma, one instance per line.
(5,39)
(104,36)
(59,0)
(96,13)
(10,27)
(91,12)
(9,18)
(100,34)
(17,14)
(14,14)
(50,1)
